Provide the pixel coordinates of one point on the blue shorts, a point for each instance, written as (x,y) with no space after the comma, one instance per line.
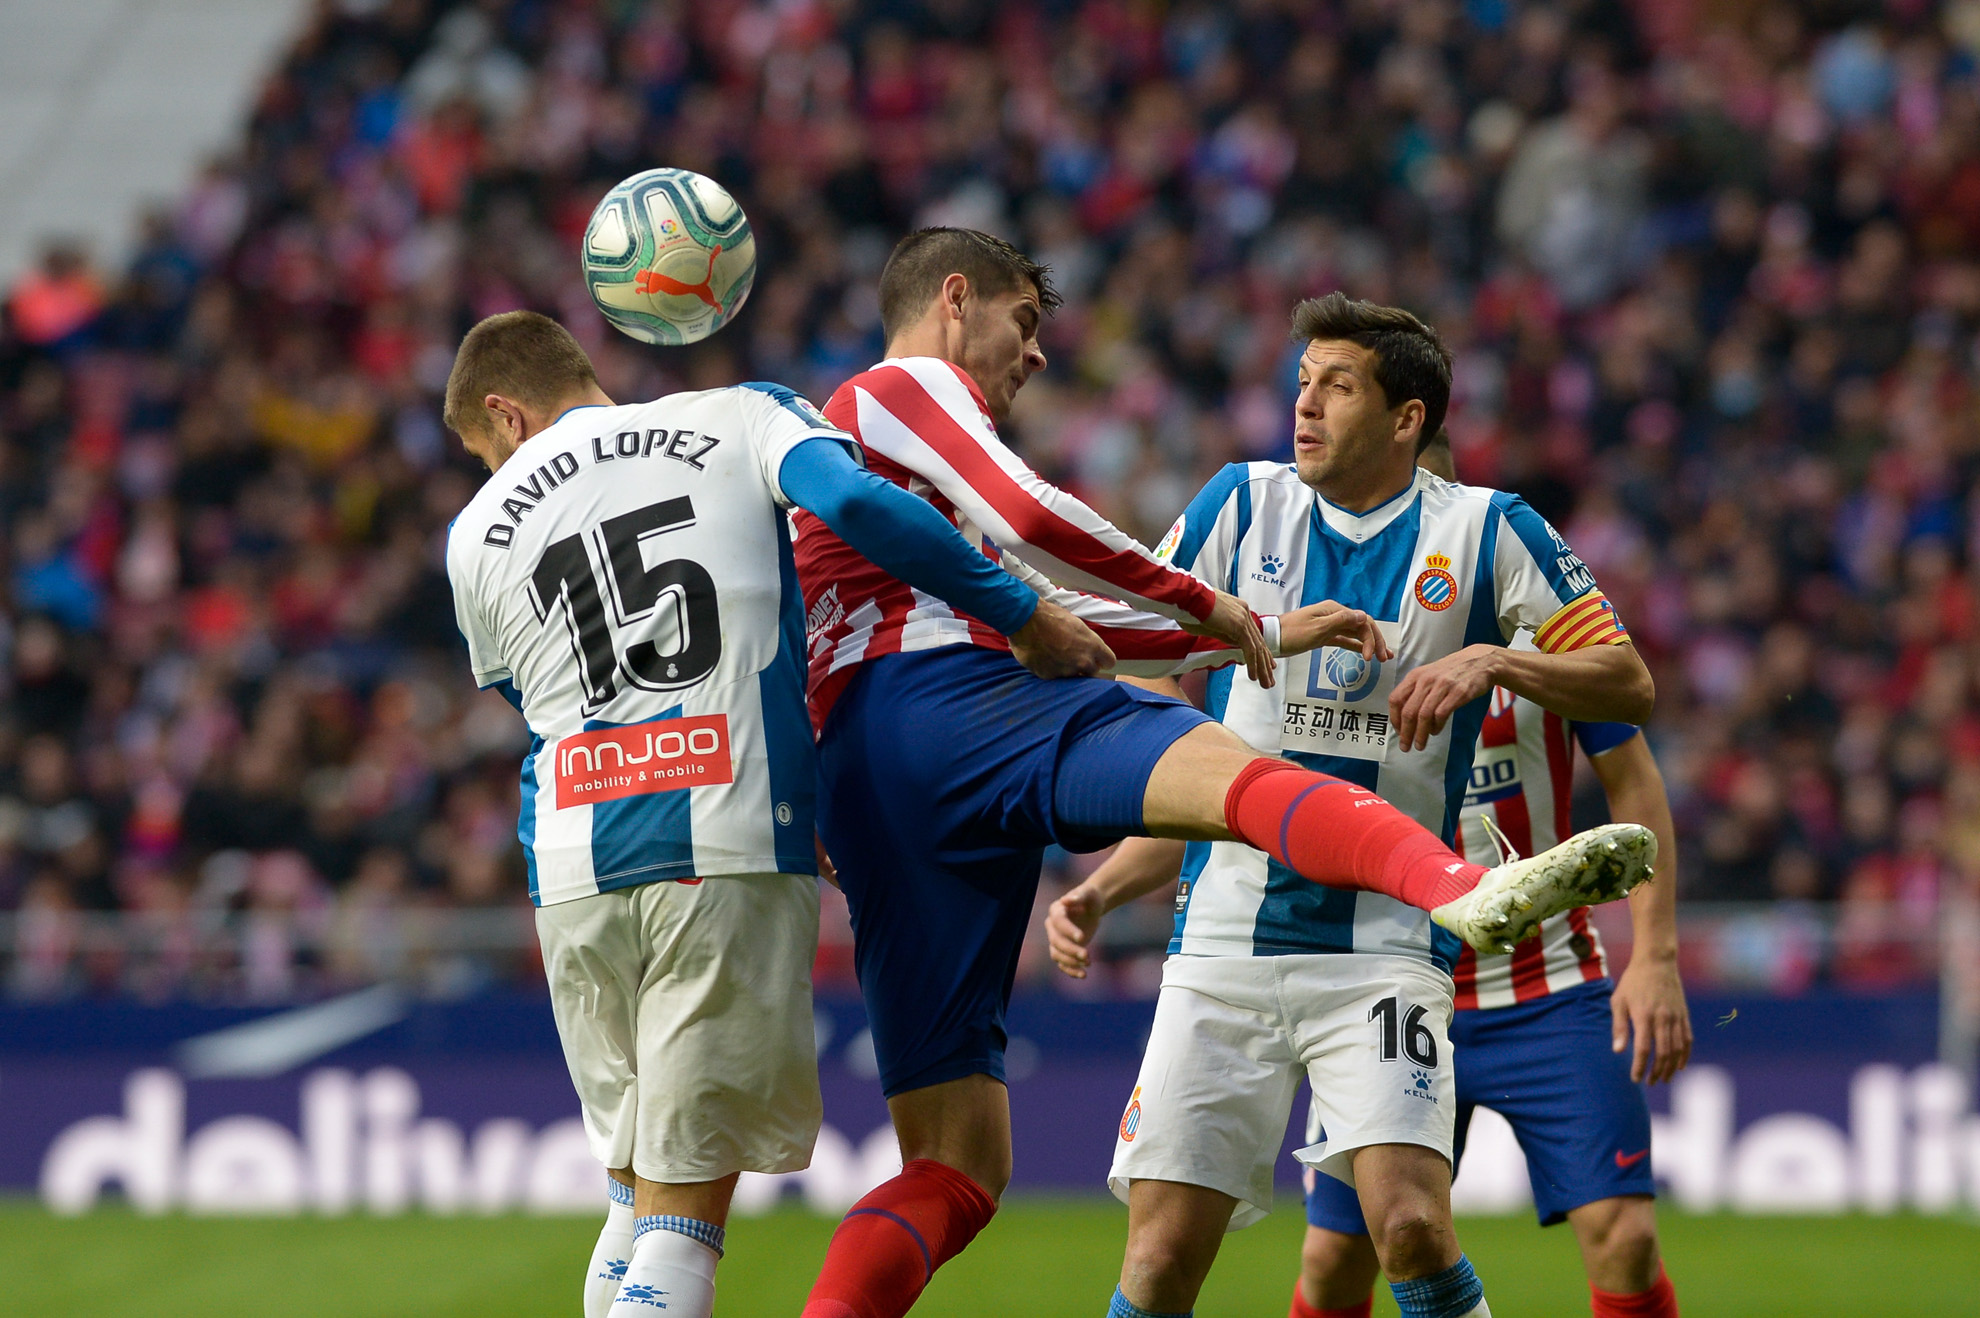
(1547,1068)
(943,776)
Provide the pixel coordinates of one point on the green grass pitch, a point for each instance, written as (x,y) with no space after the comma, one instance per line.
(1041,1258)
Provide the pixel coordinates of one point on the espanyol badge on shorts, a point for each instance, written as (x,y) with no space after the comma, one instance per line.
(1131,1119)
(1436,588)
(1339,705)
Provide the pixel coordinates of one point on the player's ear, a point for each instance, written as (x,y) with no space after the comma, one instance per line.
(1409,421)
(504,417)
(955,295)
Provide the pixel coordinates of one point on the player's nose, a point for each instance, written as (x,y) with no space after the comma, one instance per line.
(1034,358)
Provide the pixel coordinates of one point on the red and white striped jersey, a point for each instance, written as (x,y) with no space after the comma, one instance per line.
(1521,778)
(924,426)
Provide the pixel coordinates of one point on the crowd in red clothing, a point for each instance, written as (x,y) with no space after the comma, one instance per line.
(1711,271)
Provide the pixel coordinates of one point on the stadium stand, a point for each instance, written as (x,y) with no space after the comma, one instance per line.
(1713,299)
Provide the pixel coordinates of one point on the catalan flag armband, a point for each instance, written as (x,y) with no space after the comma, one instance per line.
(1589,620)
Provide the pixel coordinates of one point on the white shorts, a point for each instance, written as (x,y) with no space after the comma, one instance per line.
(685,1014)
(1233,1035)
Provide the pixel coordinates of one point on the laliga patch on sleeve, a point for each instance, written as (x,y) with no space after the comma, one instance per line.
(663,756)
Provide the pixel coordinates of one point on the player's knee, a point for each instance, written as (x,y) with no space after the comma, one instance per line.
(1161,1261)
(1324,1253)
(1413,1240)
(1621,1248)
(1335,1270)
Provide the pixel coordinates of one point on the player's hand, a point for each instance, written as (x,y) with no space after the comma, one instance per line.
(1069,928)
(1426,697)
(1648,1002)
(1328,623)
(1055,643)
(1233,623)
(826,869)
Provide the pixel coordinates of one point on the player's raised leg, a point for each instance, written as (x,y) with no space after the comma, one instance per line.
(1210,786)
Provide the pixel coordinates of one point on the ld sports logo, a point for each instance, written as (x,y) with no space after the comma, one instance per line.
(1436,588)
(663,756)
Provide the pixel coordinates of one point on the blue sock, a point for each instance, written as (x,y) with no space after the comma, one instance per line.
(621,1192)
(1122,1307)
(1447,1294)
(693,1228)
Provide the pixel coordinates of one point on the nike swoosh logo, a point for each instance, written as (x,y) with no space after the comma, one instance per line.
(1627,1162)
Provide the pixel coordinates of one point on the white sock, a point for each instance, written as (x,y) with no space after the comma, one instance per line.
(611,1254)
(672,1269)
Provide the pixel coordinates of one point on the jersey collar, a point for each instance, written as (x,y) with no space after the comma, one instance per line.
(1360,527)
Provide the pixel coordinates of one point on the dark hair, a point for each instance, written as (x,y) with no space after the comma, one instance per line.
(920,262)
(1410,360)
(520,355)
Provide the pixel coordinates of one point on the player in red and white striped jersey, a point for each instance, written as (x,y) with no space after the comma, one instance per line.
(1539,1033)
(926,426)
(1521,777)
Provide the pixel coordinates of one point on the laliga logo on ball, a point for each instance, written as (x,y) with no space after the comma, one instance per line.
(669,256)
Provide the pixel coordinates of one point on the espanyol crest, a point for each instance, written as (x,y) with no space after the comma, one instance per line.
(1436,588)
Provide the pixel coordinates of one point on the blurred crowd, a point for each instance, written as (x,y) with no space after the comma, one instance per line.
(1711,269)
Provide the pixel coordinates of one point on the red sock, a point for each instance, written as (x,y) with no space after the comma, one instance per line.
(892,1241)
(1301,1309)
(1660,1301)
(1343,836)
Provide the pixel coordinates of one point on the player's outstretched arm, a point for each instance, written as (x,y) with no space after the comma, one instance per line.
(1143,644)
(919,412)
(1138,867)
(906,537)
(1648,1001)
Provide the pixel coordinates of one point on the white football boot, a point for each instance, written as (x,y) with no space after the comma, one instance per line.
(1512,898)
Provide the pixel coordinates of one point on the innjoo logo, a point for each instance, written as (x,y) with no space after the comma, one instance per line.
(664,756)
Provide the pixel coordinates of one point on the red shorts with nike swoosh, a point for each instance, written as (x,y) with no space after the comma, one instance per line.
(1547,1068)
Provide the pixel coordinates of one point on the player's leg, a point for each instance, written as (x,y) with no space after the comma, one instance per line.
(613,1250)
(1618,1239)
(1338,1263)
(1378,1052)
(1209,785)
(592,959)
(1337,1272)
(963,1123)
(1174,1231)
(940,893)
(727,1072)
(1585,1129)
(1202,1129)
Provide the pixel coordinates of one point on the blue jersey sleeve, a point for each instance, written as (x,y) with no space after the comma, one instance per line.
(902,534)
(1598,737)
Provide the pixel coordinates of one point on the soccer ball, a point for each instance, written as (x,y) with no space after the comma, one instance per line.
(669,257)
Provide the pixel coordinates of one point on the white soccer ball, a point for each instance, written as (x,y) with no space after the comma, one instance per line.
(669,256)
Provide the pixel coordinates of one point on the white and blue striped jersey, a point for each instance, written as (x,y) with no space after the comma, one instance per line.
(1439,567)
(626,579)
